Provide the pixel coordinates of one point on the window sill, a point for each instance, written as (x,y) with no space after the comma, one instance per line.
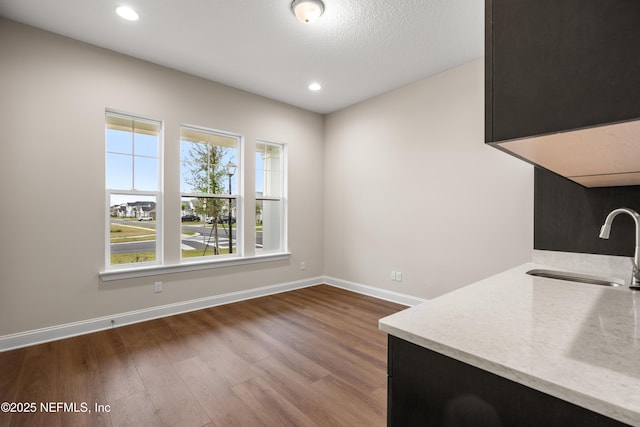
(155,270)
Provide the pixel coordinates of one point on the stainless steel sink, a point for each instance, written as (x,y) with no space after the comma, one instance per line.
(576,277)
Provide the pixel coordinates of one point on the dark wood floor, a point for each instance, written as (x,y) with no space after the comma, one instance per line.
(310,357)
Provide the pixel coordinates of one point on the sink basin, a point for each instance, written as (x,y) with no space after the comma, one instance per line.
(577,277)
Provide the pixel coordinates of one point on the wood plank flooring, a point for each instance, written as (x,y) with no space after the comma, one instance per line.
(309,357)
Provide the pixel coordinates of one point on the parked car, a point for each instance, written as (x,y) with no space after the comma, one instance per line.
(145,218)
(190,218)
(225,219)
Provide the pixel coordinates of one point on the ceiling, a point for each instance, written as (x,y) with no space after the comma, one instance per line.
(356,50)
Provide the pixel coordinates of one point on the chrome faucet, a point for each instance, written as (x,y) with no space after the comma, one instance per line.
(604,234)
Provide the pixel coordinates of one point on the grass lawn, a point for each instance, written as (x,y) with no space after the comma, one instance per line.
(133,258)
(192,253)
(122,233)
(125,233)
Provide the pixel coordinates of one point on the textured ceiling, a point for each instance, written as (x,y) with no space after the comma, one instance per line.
(356,50)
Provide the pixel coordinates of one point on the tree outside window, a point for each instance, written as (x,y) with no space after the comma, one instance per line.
(208,192)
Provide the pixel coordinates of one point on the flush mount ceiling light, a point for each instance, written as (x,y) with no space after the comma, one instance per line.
(307,11)
(315,86)
(127,13)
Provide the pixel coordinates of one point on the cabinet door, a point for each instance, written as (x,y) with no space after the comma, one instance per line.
(558,65)
(429,389)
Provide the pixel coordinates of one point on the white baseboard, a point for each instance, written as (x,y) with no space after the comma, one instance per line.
(38,336)
(371,291)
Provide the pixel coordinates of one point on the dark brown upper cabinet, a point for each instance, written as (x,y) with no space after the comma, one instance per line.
(563,86)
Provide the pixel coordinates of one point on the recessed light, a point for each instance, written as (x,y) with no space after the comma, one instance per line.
(315,86)
(127,13)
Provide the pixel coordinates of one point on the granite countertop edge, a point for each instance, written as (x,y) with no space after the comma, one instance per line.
(395,325)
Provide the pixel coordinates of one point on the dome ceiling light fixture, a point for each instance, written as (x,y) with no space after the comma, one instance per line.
(307,11)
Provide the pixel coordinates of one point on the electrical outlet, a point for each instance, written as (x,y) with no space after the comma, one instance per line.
(396,276)
(302,265)
(157,287)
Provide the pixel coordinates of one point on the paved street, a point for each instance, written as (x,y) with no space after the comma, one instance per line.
(197,241)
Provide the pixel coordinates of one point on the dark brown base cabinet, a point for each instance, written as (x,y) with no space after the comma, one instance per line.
(426,388)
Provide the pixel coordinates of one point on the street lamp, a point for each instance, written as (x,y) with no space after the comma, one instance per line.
(231,170)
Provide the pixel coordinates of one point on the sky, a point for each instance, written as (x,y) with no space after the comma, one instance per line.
(132,163)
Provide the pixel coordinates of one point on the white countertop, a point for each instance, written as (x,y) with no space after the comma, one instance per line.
(578,342)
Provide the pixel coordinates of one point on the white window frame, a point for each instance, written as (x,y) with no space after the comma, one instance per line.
(158,194)
(282,198)
(240,257)
(239,246)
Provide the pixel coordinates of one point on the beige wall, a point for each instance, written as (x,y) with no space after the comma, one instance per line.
(400,182)
(54,92)
(410,187)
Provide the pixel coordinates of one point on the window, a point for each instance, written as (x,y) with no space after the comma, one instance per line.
(209,174)
(270,197)
(208,200)
(133,190)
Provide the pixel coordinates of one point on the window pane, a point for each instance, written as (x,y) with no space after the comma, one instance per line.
(208,162)
(146,145)
(119,171)
(192,178)
(132,153)
(132,229)
(132,169)
(259,171)
(229,167)
(206,227)
(119,141)
(198,168)
(269,170)
(268,225)
(145,173)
